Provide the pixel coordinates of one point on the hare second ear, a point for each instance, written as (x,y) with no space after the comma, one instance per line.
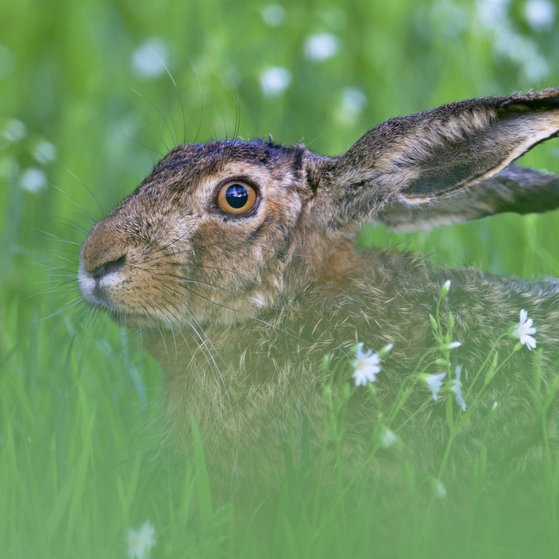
(414,160)
(514,189)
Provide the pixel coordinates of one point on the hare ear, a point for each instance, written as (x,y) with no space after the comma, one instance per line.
(514,189)
(429,160)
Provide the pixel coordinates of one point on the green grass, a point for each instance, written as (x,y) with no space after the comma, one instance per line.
(81,411)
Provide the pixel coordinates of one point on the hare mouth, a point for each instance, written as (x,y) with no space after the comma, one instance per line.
(131,319)
(143,319)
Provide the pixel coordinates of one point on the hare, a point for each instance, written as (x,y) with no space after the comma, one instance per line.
(236,260)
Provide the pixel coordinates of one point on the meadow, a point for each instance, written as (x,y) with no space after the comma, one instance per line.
(92,95)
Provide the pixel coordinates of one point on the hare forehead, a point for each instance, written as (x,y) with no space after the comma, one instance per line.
(190,207)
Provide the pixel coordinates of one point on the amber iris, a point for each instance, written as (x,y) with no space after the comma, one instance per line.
(236,198)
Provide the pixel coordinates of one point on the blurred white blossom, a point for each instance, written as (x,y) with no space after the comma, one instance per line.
(353,100)
(434,383)
(456,387)
(273,15)
(14,131)
(509,42)
(321,46)
(33,180)
(44,152)
(450,346)
(524,52)
(141,541)
(439,489)
(274,80)
(445,288)
(388,438)
(450,18)
(492,13)
(540,14)
(149,60)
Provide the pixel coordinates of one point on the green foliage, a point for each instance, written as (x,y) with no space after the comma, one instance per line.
(81,412)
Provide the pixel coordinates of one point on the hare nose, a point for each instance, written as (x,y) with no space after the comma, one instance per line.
(107,268)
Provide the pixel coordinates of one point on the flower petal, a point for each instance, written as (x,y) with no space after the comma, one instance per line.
(529,342)
(434,383)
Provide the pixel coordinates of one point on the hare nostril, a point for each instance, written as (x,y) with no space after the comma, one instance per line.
(109,267)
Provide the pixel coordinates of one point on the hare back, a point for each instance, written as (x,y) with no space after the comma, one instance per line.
(253,386)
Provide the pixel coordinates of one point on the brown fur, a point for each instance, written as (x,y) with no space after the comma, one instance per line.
(241,310)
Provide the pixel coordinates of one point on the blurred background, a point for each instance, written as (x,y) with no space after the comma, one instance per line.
(93,93)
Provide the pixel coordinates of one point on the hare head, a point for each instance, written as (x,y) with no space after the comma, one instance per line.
(224,230)
(236,259)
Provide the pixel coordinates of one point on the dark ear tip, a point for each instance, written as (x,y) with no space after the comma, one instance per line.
(545,99)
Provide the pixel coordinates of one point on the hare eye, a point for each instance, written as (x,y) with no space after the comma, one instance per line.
(236,198)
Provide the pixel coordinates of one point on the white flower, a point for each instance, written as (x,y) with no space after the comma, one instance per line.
(321,46)
(509,43)
(273,15)
(274,80)
(456,387)
(149,60)
(388,438)
(353,100)
(386,349)
(44,152)
(492,13)
(451,345)
(141,541)
(445,288)
(14,130)
(524,329)
(33,180)
(439,489)
(366,366)
(434,383)
(540,14)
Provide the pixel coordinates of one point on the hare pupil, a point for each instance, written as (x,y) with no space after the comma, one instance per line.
(237,196)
